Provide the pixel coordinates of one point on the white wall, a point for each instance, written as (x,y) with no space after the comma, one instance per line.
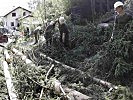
(8,19)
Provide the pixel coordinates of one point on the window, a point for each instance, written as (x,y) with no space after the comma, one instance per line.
(13,14)
(12,23)
(18,24)
(24,13)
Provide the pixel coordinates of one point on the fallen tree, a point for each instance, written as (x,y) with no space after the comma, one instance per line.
(10,87)
(81,73)
(57,87)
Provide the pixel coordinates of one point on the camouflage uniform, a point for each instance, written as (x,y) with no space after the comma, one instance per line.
(49,33)
(37,32)
(120,21)
(64,34)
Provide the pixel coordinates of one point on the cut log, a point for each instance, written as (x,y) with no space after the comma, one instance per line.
(58,89)
(99,81)
(72,94)
(17,52)
(4,47)
(9,83)
(66,67)
(7,56)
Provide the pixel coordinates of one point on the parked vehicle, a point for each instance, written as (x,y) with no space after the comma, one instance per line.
(3,30)
(3,35)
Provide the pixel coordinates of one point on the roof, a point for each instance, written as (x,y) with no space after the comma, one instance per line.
(15,9)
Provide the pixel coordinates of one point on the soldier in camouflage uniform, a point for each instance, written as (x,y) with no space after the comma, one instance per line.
(49,31)
(64,32)
(37,32)
(121,18)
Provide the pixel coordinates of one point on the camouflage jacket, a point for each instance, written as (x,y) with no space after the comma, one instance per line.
(120,21)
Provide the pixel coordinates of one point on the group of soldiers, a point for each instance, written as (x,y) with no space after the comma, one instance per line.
(50,31)
(120,19)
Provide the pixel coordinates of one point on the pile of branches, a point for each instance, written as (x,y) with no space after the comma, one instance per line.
(30,80)
(91,51)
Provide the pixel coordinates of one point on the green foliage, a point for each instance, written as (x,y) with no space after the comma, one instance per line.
(25,77)
(121,67)
(122,93)
(50,9)
(121,51)
(120,48)
(3,90)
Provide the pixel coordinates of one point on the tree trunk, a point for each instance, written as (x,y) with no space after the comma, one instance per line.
(10,87)
(57,87)
(7,56)
(81,73)
(108,8)
(70,94)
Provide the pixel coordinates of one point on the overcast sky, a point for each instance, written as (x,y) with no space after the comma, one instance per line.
(7,5)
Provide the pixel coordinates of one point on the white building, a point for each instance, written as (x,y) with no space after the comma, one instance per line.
(11,18)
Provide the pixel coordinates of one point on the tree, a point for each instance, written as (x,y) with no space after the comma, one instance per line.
(48,9)
(129,6)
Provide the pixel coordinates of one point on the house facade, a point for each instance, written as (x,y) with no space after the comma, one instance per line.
(10,20)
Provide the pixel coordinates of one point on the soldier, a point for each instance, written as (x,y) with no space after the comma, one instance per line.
(64,33)
(37,32)
(49,31)
(121,18)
